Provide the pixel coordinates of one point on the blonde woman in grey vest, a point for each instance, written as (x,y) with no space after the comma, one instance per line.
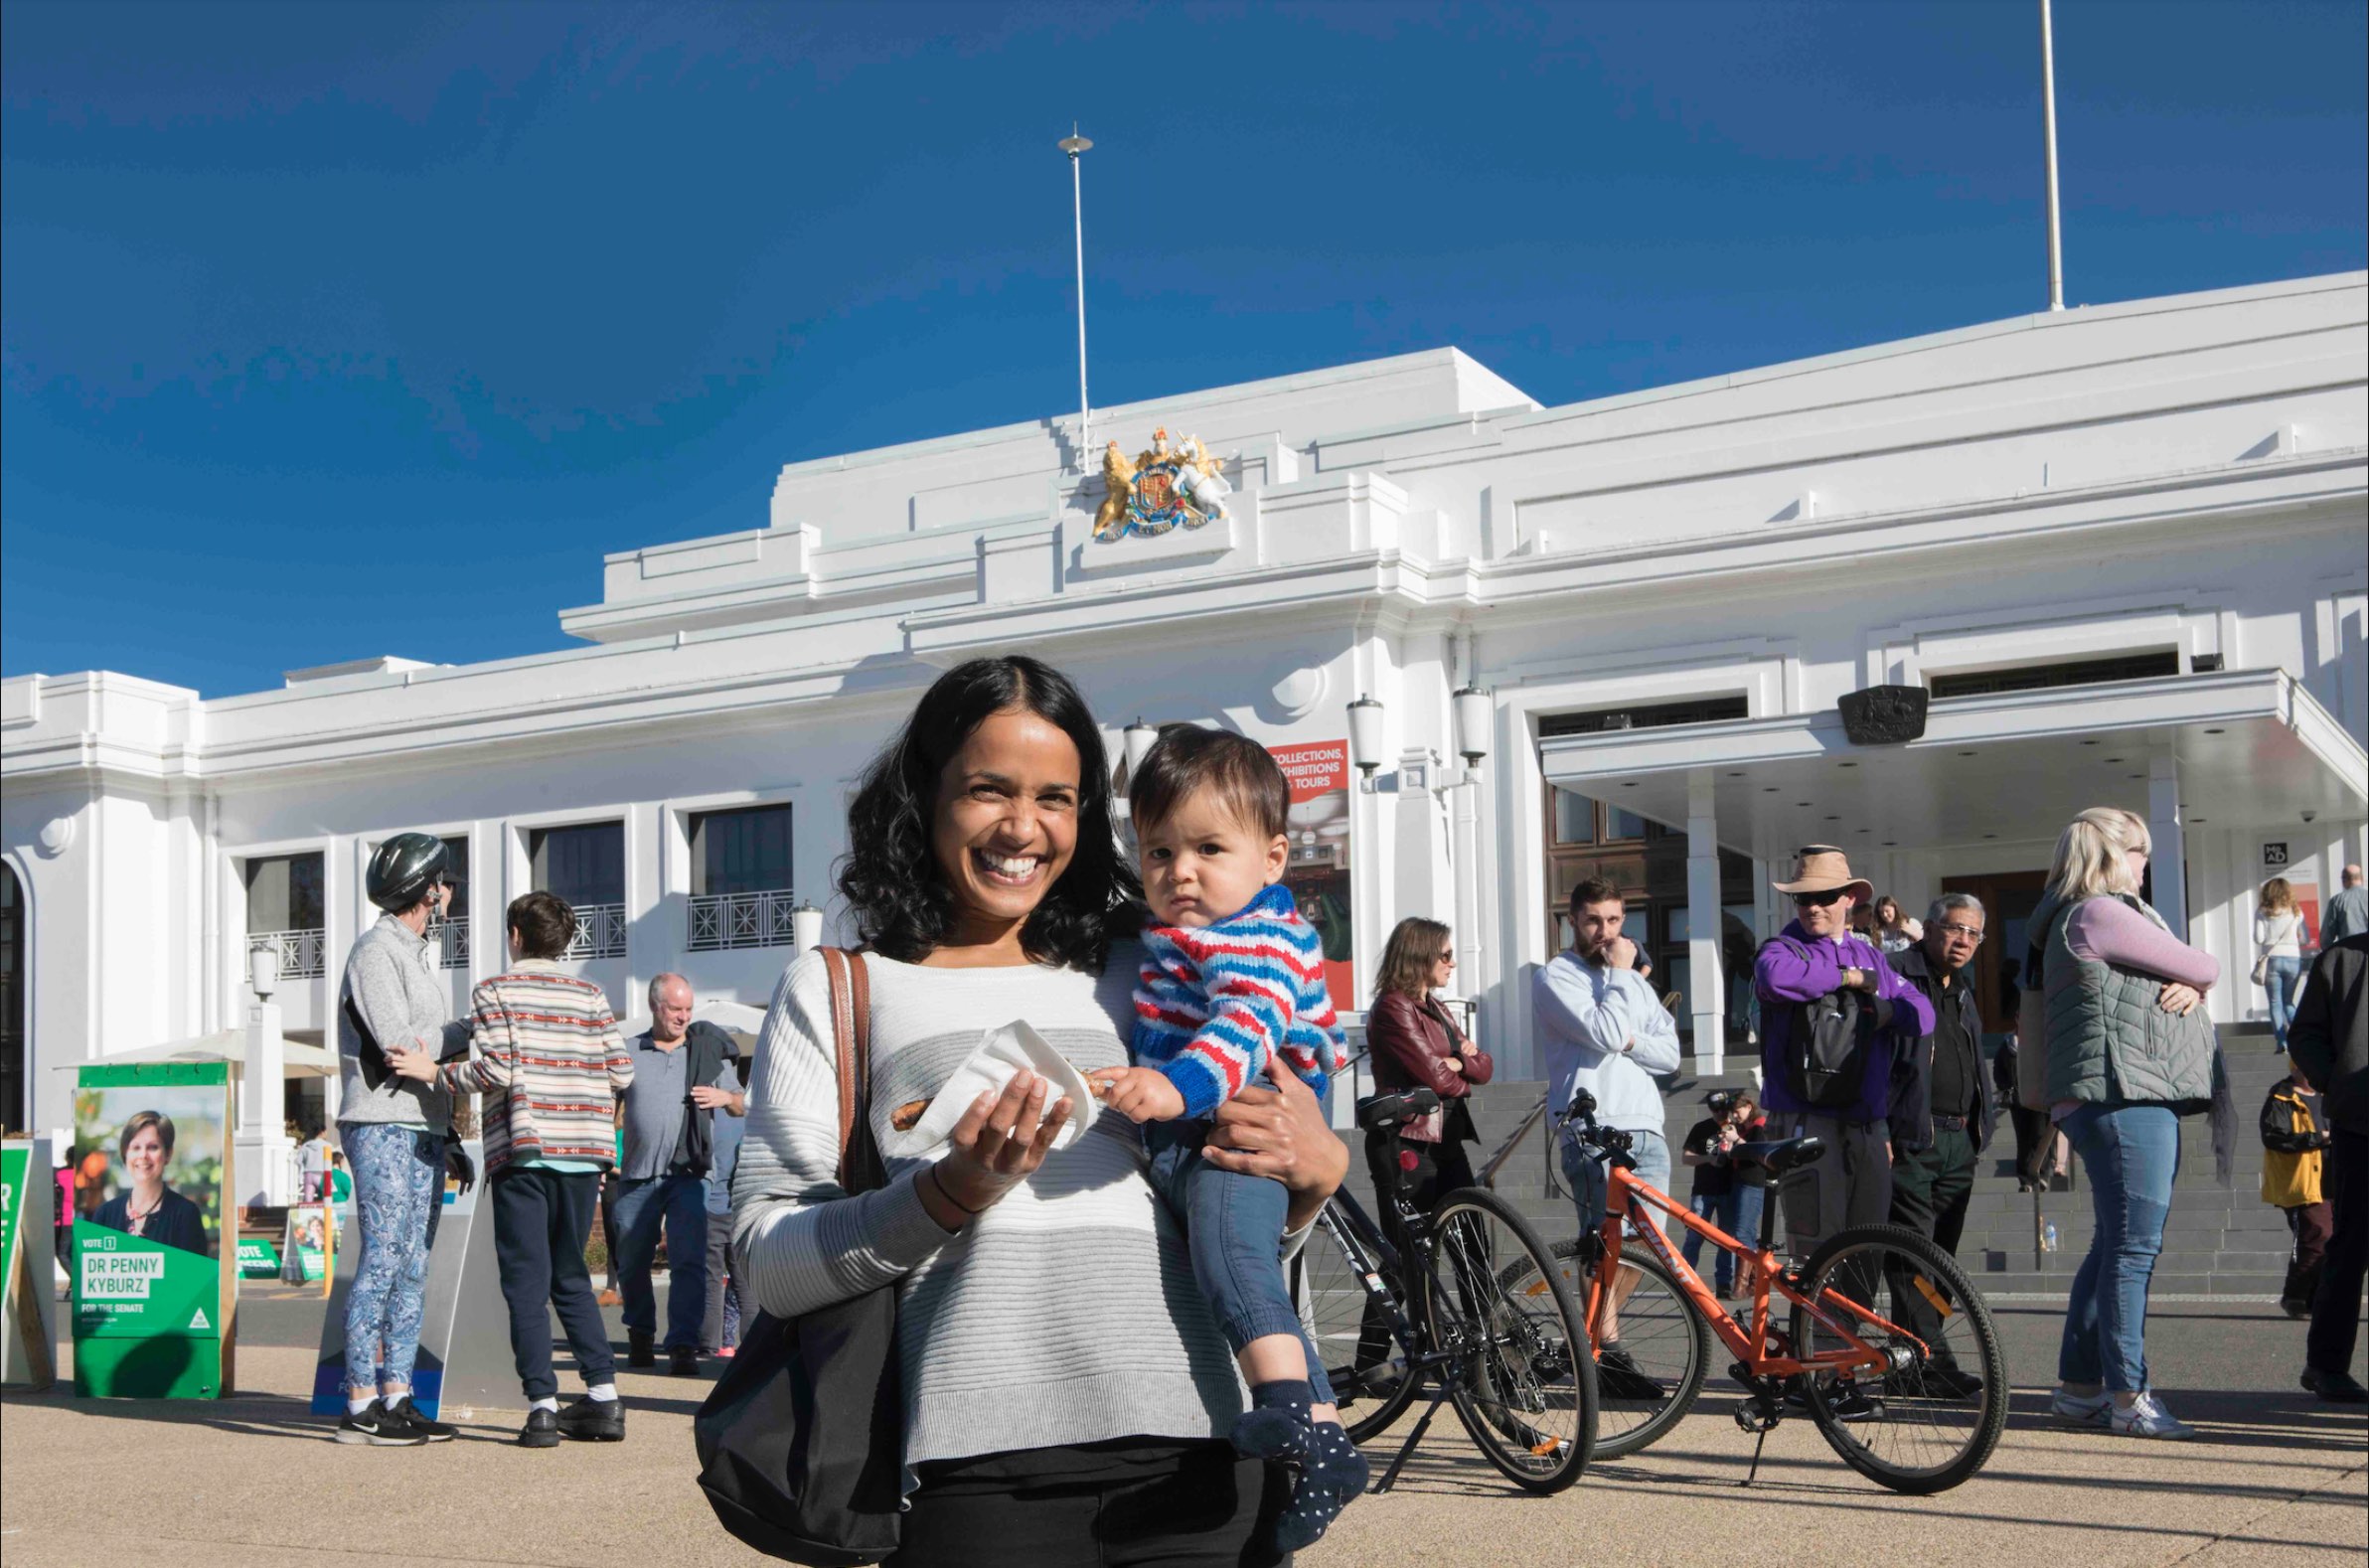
(2128,1052)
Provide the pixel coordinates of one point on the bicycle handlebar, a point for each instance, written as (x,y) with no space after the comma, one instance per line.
(1582,1111)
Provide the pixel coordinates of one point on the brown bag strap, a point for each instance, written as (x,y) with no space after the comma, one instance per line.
(850,1034)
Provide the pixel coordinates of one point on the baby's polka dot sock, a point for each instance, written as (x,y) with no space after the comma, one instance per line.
(1276,1426)
(1332,1476)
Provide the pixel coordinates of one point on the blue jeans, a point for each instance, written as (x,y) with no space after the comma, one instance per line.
(1233,1225)
(2285,975)
(2130,1154)
(679,1203)
(1584,1168)
(398,1187)
(1720,1209)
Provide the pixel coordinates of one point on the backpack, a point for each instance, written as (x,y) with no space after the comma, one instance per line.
(1827,1049)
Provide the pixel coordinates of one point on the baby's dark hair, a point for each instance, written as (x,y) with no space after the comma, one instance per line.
(1186,758)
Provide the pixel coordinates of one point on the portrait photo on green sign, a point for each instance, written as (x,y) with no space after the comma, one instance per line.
(147,1160)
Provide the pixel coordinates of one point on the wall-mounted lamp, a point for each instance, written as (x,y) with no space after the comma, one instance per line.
(262,968)
(1473,710)
(1136,740)
(806,926)
(1366,739)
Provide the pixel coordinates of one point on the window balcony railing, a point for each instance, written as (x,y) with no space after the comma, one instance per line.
(599,932)
(303,955)
(721,920)
(451,940)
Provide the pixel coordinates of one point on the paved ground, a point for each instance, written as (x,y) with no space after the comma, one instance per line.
(251,1482)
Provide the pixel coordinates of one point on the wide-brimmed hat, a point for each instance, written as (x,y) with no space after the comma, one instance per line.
(1821,868)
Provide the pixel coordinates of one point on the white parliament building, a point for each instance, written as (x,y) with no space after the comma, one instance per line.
(2116,553)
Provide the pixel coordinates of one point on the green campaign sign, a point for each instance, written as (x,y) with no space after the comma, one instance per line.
(154,1268)
(258,1259)
(129,1288)
(13,1164)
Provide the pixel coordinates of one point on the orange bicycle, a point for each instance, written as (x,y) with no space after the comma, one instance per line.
(1887,1347)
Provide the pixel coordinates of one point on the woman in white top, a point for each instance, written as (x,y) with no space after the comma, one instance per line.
(1895,931)
(2278,951)
(1067,1392)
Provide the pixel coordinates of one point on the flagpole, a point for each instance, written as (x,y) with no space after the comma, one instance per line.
(2056,244)
(1074,144)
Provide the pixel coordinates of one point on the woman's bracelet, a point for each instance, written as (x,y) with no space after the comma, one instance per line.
(939,1182)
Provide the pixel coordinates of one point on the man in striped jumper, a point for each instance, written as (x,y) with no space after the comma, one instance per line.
(1232,986)
(543,1047)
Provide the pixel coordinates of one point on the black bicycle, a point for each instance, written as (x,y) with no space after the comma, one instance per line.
(1421,1306)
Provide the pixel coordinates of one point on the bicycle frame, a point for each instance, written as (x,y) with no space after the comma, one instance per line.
(1624,1194)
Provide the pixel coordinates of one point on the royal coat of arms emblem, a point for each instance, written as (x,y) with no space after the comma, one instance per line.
(1164,488)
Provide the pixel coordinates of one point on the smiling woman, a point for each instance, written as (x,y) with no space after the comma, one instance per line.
(1059,1371)
(957,856)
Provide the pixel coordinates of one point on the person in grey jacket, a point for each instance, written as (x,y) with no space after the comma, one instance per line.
(394,1133)
(2128,1049)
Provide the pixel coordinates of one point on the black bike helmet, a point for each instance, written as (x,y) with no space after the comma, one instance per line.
(404,869)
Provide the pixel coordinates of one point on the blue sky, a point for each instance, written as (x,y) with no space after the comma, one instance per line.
(345,329)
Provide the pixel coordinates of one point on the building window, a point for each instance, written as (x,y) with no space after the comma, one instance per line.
(585,866)
(1574,817)
(740,894)
(2072,671)
(450,935)
(286,907)
(1646,715)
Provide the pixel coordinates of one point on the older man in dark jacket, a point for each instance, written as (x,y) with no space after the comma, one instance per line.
(1941,1114)
(2328,1043)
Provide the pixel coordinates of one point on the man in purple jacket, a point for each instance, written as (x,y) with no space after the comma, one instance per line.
(1817,955)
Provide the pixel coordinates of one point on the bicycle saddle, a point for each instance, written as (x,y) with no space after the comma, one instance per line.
(1377,1111)
(1777,1156)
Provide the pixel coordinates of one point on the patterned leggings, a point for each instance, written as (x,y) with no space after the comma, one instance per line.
(399,1179)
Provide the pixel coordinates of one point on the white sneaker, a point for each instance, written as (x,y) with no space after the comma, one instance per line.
(2148,1418)
(2087,1410)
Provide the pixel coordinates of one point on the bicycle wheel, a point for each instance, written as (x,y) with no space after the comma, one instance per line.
(1933,1417)
(1348,1329)
(1524,1383)
(1667,1342)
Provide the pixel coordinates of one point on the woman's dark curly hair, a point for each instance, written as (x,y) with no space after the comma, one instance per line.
(891,876)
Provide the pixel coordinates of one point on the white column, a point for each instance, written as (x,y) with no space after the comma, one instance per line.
(1707,998)
(264,1143)
(1464,807)
(2170,862)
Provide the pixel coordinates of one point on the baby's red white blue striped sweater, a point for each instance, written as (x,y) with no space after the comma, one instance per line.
(1213,1006)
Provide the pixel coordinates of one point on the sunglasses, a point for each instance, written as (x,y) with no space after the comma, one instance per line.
(1817,901)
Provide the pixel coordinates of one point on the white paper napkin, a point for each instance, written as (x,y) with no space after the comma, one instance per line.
(1001,1054)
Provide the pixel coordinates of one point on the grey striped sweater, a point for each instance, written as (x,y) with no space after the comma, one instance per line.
(1067,1312)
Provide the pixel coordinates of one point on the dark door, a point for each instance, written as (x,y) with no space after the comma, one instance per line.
(2008,899)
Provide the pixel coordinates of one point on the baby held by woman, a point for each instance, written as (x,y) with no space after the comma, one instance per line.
(1232,981)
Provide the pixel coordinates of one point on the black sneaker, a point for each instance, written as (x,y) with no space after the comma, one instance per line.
(380,1427)
(638,1348)
(542,1428)
(1618,1376)
(2337,1388)
(435,1430)
(683,1361)
(592,1420)
(1847,1401)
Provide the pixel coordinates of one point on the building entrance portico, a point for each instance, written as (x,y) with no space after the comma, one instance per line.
(2210,760)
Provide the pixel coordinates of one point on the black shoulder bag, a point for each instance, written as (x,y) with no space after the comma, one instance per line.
(801,1443)
(1825,1051)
